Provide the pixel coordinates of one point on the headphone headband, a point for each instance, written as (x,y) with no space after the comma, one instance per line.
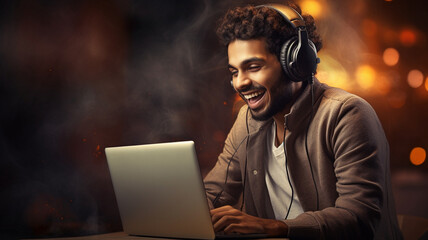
(289,14)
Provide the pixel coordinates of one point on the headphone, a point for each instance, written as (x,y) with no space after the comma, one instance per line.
(298,56)
(299,60)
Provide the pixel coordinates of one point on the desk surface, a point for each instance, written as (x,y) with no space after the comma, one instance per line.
(115,235)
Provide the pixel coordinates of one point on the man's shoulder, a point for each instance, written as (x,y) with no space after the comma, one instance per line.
(339,101)
(342,97)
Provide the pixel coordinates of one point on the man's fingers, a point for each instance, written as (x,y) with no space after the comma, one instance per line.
(218,213)
(224,221)
(244,228)
(231,220)
(222,209)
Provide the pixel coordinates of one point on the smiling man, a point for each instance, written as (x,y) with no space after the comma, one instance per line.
(302,160)
(260,80)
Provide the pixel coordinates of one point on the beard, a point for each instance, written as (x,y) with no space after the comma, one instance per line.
(281,95)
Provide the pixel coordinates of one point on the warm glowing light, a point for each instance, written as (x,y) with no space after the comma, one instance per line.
(312,7)
(407,37)
(415,78)
(417,156)
(383,85)
(332,73)
(426,83)
(365,76)
(391,56)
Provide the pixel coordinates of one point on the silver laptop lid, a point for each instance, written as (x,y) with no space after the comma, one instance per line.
(159,190)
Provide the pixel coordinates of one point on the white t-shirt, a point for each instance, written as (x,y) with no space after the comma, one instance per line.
(277,182)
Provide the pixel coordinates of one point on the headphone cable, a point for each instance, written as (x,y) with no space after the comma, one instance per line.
(246,160)
(306,138)
(230,161)
(288,175)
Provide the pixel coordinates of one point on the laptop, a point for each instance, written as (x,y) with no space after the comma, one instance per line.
(160,192)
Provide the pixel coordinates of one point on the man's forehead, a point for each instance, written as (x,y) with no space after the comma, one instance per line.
(240,51)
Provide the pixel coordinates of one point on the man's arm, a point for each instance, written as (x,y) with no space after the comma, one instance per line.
(227,166)
(360,155)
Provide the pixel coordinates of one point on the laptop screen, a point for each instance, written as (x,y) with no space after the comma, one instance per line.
(159,190)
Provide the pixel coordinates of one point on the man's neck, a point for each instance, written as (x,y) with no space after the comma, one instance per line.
(280,128)
(279,118)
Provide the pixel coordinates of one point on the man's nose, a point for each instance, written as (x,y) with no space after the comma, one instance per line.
(242,81)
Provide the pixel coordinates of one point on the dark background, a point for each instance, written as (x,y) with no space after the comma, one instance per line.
(79,76)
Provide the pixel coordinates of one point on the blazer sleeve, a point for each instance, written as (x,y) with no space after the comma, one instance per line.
(227,168)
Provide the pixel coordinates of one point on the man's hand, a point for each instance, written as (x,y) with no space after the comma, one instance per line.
(231,220)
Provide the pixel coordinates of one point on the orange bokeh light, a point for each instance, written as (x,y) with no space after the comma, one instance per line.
(417,156)
(408,37)
(365,76)
(426,83)
(312,7)
(415,78)
(391,56)
(332,72)
(383,85)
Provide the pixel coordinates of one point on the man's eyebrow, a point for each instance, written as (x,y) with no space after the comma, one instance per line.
(246,61)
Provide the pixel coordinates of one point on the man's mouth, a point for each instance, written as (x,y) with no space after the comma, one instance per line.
(254,98)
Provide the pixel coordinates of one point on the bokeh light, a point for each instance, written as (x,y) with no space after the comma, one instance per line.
(426,84)
(391,56)
(365,76)
(383,85)
(332,72)
(417,156)
(312,7)
(415,78)
(407,37)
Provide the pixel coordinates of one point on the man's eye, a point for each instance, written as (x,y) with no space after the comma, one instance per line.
(254,68)
(234,73)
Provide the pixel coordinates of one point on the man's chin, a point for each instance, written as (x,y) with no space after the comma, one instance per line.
(260,115)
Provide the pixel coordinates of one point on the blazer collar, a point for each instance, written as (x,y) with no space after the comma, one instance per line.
(304,105)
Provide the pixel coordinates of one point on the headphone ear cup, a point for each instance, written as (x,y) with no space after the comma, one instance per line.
(286,58)
(297,68)
(315,60)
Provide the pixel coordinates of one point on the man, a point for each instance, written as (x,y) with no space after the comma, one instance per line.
(302,160)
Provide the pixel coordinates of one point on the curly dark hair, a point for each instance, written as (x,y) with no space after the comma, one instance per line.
(251,22)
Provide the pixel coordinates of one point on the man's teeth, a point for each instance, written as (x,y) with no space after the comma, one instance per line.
(248,96)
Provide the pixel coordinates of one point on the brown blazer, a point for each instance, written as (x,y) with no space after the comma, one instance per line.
(349,155)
